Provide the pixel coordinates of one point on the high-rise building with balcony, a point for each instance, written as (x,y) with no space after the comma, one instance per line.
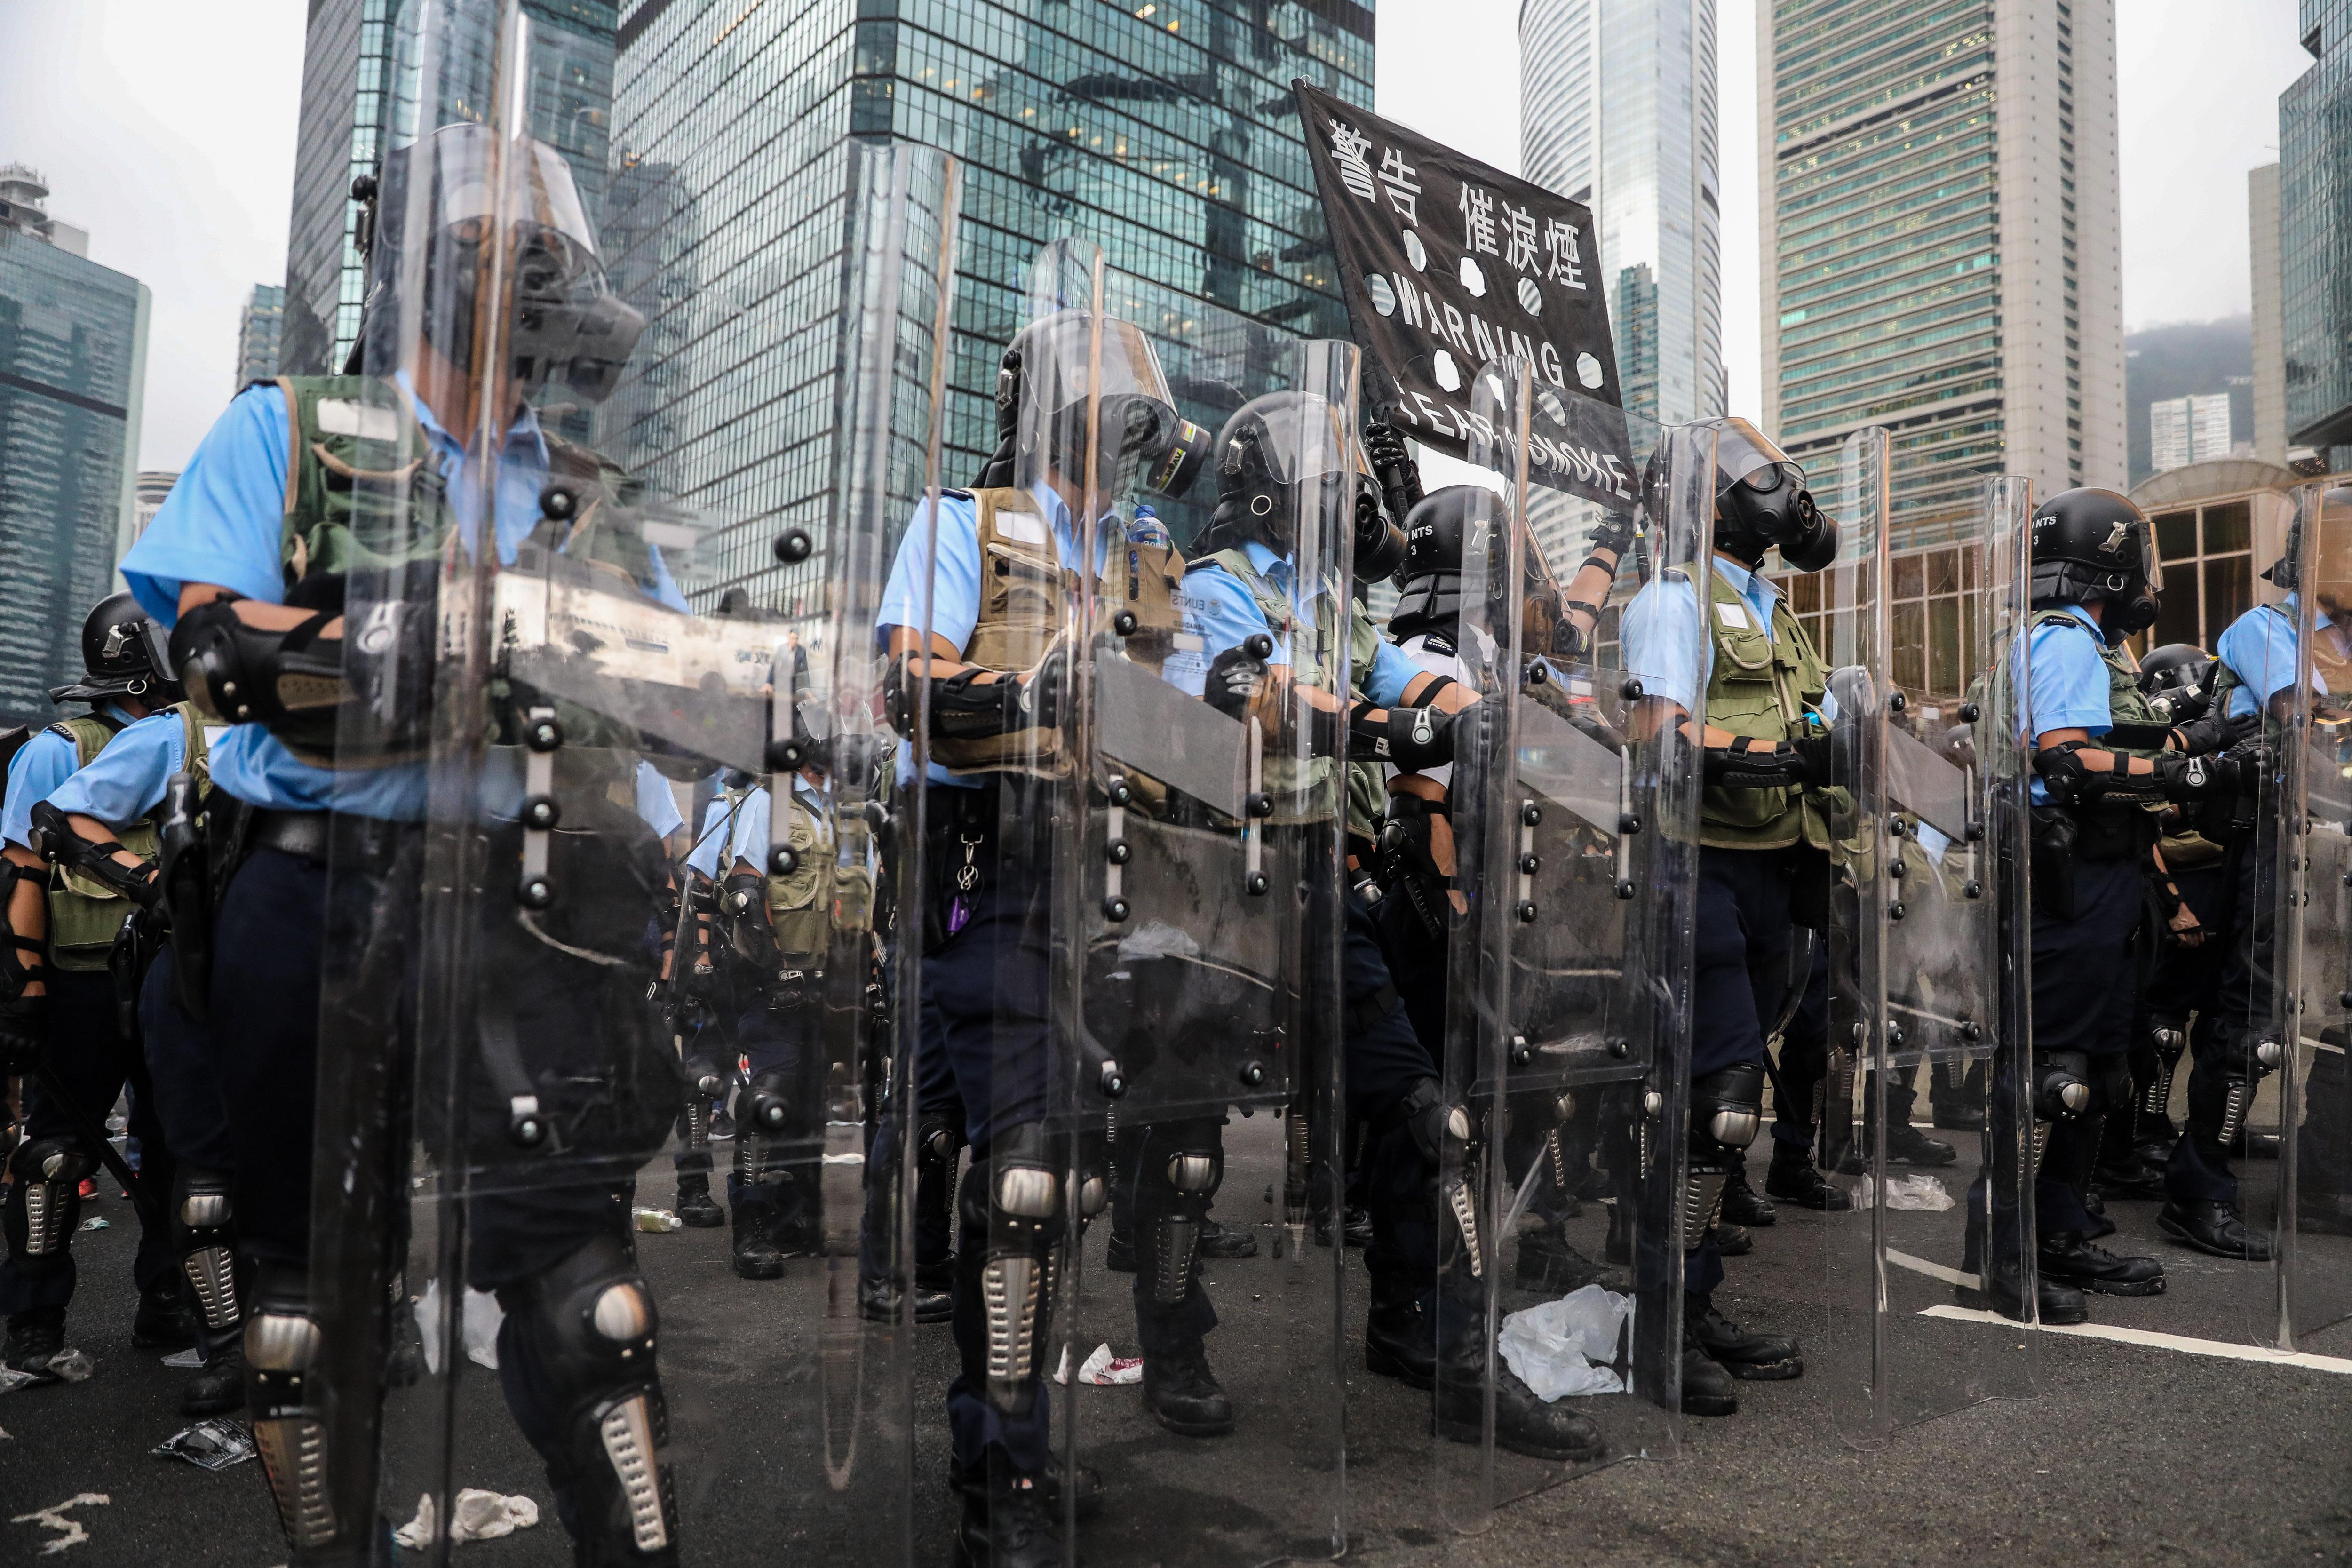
(73,358)
(1940,222)
(1617,109)
(2184,430)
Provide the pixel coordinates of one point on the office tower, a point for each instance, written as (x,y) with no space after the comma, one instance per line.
(151,487)
(2184,430)
(2270,315)
(2314,255)
(73,355)
(257,333)
(1617,109)
(1940,195)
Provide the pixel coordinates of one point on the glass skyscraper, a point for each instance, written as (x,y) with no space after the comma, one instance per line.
(1617,109)
(258,326)
(2315,255)
(73,356)
(1940,228)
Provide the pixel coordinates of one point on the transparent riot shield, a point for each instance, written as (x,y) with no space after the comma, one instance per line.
(1565,859)
(1199,1039)
(1927,974)
(632,605)
(2313,1203)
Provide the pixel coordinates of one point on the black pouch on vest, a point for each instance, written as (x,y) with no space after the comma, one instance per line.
(1810,878)
(2054,849)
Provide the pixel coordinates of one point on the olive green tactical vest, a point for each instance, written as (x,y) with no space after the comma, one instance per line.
(84,914)
(1025,605)
(1762,683)
(1367,785)
(799,907)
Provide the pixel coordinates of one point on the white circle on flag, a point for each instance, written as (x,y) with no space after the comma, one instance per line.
(1553,408)
(1474,278)
(1530,297)
(1384,298)
(1414,252)
(1588,370)
(1448,376)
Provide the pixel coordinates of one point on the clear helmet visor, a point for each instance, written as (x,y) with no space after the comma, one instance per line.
(462,190)
(1126,366)
(1744,455)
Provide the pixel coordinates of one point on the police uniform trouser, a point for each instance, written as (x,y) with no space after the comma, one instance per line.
(1392,987)
(2223,1042)
(1805,1056)
(86,1050)
(986,976)
(1739,978)
(779,1167)
(2185,982)
(269,945)
(1166,1176)
(2086,988)
(935,1102)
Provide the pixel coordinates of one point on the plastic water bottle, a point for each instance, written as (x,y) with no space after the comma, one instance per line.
(1147,531)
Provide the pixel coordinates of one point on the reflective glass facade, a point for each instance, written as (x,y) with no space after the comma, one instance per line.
(2315,210)
(73,345)
(1887,249)
(258,329)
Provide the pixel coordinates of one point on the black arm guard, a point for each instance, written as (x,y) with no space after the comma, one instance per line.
(965,708)
(54,839)
(23,1020)
(2173,778)
(316,693)
(1411,738)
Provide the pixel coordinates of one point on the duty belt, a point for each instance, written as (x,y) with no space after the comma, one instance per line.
(320,837)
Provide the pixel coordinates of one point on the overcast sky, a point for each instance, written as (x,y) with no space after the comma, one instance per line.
(166,129)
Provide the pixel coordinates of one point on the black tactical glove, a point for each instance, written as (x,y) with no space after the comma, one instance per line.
(1613,533)
(1391,459)
(1436,1126)
(1751,763)
(1235,677)
(2240,771)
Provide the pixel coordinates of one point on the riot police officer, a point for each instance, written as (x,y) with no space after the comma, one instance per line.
(58,1013)
(2230,1047)
(251,563)
(1425,1326)
(1764,845)
(2103,760)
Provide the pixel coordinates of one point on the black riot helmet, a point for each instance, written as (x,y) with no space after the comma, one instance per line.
(2094,546)
(1434,533)
(1043,412)
(2176,670)
(1286,454)
(452,206)
(122,654)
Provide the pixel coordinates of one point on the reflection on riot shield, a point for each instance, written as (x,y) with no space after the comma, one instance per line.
(1131,854)
(1929,919)
(2313,1200)
(617,631)
(1537,909)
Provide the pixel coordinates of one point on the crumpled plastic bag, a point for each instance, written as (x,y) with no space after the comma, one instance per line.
(1102,1369)
(1918,1191)
(482,1317)
(68,1365)
(208,1445)
(476,1515)
(1564,1347)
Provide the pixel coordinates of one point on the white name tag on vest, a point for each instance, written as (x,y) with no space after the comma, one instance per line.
(1021,528)
(341,416)
(1732,616)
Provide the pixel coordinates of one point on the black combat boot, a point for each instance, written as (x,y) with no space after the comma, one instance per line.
(695,1208)
(1183,1394)
(1087,1481)
(1760,1358)
(34,1337)
(1743,1205)
(1707,1387)
(1793,1179)
(162,1321)
(1222,1241)
(1523,1423)
(1907,1145)
(218,1385)
(2070,1258)
(1398,1342)
(2216,1229)
(757,1255)
(1010,1522)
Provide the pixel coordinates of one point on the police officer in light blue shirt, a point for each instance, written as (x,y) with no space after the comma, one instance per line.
(2103,757)
(60,1023)
(244,562)
(2228,1044)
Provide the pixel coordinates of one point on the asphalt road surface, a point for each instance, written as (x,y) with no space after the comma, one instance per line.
(2015,1448)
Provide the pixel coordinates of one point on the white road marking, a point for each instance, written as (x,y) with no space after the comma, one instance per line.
(1932,1270)
(2152,1341)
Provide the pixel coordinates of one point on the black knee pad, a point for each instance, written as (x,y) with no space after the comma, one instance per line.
(767,1120)
(1015,1214)
(41,1208)
(1180,1175)
(283,1342)
(203,1237)
(587,1325)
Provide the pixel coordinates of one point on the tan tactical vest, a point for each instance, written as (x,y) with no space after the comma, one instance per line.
(1026,607)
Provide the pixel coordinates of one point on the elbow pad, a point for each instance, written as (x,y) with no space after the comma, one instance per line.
(1411,738)
(53,838)
(746,894)
(317,693)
